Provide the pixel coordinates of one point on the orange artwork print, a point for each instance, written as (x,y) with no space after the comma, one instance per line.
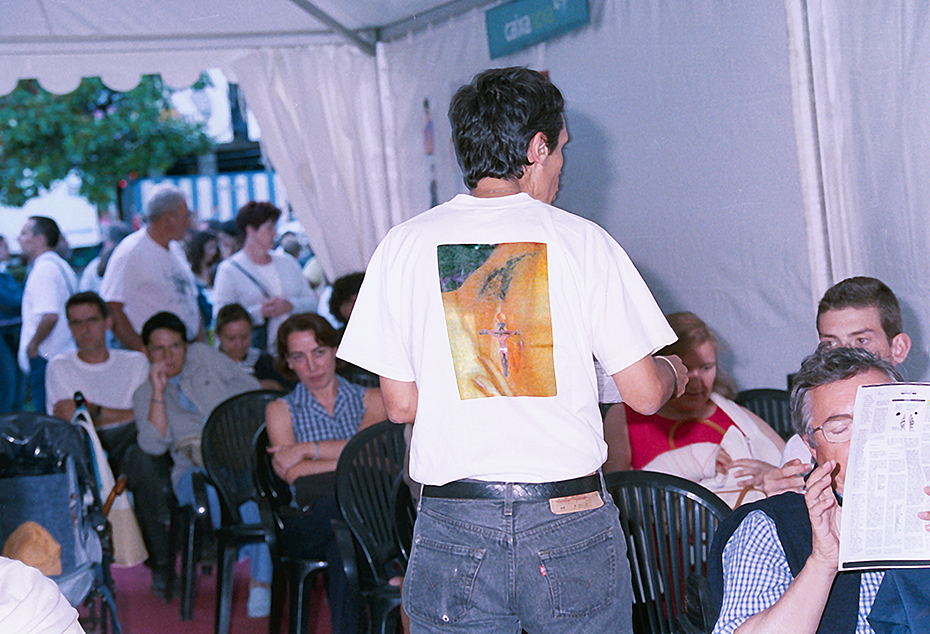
(496,304)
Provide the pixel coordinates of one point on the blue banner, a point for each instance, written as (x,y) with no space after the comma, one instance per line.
(517,25)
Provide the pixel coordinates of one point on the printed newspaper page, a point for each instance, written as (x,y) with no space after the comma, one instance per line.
(889,465)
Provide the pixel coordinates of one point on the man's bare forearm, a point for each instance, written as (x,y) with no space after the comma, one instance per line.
(43,330)
(123,330)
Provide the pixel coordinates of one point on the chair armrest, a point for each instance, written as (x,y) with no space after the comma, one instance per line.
(698,617)
(272,524)
(346,544)
(201,501)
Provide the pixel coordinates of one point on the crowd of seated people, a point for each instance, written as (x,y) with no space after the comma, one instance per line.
(150,389)
(150,396)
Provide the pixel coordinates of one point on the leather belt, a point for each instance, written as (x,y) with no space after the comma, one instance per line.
(520,491)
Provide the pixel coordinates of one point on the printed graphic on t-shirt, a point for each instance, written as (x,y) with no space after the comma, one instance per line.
(496,303)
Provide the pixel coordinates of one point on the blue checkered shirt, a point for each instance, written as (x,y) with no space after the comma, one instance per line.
(312,423)
(756,574)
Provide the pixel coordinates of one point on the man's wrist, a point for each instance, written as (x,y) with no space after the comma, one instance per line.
(822,567)
(671,367)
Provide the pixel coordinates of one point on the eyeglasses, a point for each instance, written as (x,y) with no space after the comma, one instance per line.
(838,431)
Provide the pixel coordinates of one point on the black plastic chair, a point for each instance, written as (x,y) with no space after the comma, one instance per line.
(405,516)
(772,406)
(275,497)
(366,472)
(669,523)
(46,476)
(226,445)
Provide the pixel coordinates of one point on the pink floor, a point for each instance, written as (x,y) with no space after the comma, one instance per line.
(141,612)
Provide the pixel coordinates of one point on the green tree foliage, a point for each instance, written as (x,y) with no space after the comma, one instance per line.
(102,134)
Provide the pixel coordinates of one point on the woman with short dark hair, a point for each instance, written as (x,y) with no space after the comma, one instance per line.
(270,286)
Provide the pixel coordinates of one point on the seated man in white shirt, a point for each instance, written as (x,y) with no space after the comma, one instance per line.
(859,312)
(107,379)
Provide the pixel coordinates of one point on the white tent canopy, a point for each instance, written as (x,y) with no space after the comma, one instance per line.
(61,41)
(747,155)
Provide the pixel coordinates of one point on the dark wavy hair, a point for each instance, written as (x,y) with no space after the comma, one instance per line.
(196,249)
(255,214)
(864,292)
(495,117)
(322,330)
(343,290)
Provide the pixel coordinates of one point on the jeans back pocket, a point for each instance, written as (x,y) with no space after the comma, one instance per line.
(440,579)
(581,576)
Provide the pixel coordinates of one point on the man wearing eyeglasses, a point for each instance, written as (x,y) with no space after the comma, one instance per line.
(107,379)
(774,563)
(859,312)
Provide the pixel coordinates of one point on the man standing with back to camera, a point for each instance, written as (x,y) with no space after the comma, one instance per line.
(483,317)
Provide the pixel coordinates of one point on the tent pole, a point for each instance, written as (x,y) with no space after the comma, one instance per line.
(366,47)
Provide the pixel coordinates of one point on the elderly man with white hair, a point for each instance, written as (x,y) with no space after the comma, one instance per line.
(148,272)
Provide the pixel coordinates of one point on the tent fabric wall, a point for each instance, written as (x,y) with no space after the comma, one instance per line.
(871,90)
(319,111)
(693,138)
(682,146)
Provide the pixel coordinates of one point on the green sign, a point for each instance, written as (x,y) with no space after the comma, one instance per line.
(516,25)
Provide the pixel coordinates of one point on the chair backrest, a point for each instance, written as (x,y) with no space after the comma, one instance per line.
(772,406)
(268,485)
(227,446)
(365,474)
(405,516)
(669,523)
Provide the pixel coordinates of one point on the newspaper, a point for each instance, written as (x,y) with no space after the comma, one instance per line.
(888,467)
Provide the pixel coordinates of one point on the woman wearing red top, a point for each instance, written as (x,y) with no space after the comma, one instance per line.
(686,437)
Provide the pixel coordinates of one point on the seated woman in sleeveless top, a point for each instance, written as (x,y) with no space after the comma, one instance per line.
(702,435)
(307,431)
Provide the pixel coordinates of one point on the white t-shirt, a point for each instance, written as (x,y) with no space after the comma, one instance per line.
(31,603)
(49,285)
(501,342)
(90,281)
(146,279)
(281,277)
(110,383)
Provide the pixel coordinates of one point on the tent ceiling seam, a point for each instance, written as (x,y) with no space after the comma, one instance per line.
(48,21)
(363,44)
(424,19)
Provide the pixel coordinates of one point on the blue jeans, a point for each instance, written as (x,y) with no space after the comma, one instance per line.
(260,565)
(37,383)
(494,567)
(11,382)
(310,536)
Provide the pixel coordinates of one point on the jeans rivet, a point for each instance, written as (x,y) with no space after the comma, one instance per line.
(445,617)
